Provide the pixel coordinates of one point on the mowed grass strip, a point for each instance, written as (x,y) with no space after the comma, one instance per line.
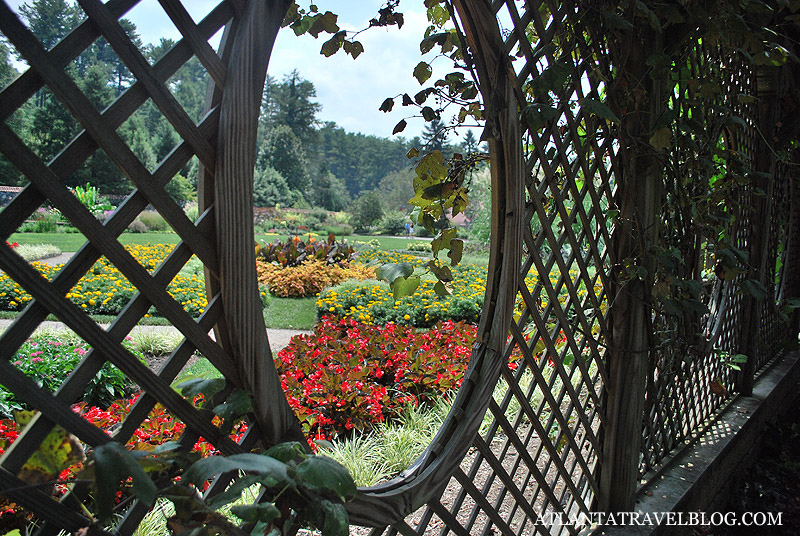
(71,242)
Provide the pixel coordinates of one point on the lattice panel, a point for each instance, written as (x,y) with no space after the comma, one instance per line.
(99,131)
(538,452)
(771,324)
(689,384)
(540,361)
(679,393)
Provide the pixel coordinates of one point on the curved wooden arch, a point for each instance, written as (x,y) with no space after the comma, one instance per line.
(552,293)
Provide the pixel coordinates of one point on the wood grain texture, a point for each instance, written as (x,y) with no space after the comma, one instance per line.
(392,501)
(233,202)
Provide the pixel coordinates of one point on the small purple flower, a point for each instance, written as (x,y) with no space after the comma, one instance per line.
(36,360)
(17,363)
(34,354)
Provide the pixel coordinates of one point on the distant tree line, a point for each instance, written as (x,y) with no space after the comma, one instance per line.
(302,162)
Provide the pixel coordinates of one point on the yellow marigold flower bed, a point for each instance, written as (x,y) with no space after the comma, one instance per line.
(372,302)
(104,290)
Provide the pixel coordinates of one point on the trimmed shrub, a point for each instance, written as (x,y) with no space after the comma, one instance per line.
(366,211)
(153,221)
(136,226)
(393,223)
(307,279)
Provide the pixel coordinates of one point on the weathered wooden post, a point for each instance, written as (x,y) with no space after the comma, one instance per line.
(245,334)
(639,179)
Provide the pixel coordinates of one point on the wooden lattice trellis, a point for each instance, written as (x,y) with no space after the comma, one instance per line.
(557,442)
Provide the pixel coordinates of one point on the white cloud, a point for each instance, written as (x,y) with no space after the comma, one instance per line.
(350,91)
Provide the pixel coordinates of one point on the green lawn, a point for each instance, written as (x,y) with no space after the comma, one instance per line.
(291,313)
(386,242)
(73,241)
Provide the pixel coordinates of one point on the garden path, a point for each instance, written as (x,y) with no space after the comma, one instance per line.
(278,338)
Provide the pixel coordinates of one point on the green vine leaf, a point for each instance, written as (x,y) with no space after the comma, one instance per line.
(390,272)
(286,452)
(387,105)
(443,289)
(253,513)
(113,463)
(329,518)
(202,386)
(661,138)
(537,115)
(422,72)
(456,251)
(58,451)
(442,273)
(206,468)
(238,403)
(354,48)
(404,286)
(595,107)
(332,45)
(326,478)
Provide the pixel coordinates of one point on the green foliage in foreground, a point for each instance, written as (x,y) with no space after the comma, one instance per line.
(300,490)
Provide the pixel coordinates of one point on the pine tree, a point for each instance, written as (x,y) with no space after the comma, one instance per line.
(9,175)
(50,20)
(470,142)
(284,152)
(435,136)
(291,103)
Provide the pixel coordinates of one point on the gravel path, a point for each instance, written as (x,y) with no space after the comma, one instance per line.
(278,338)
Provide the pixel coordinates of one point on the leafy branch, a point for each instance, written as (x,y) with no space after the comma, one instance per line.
(311,21)
(441,187)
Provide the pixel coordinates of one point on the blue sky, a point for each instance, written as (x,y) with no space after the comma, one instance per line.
(350,91)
